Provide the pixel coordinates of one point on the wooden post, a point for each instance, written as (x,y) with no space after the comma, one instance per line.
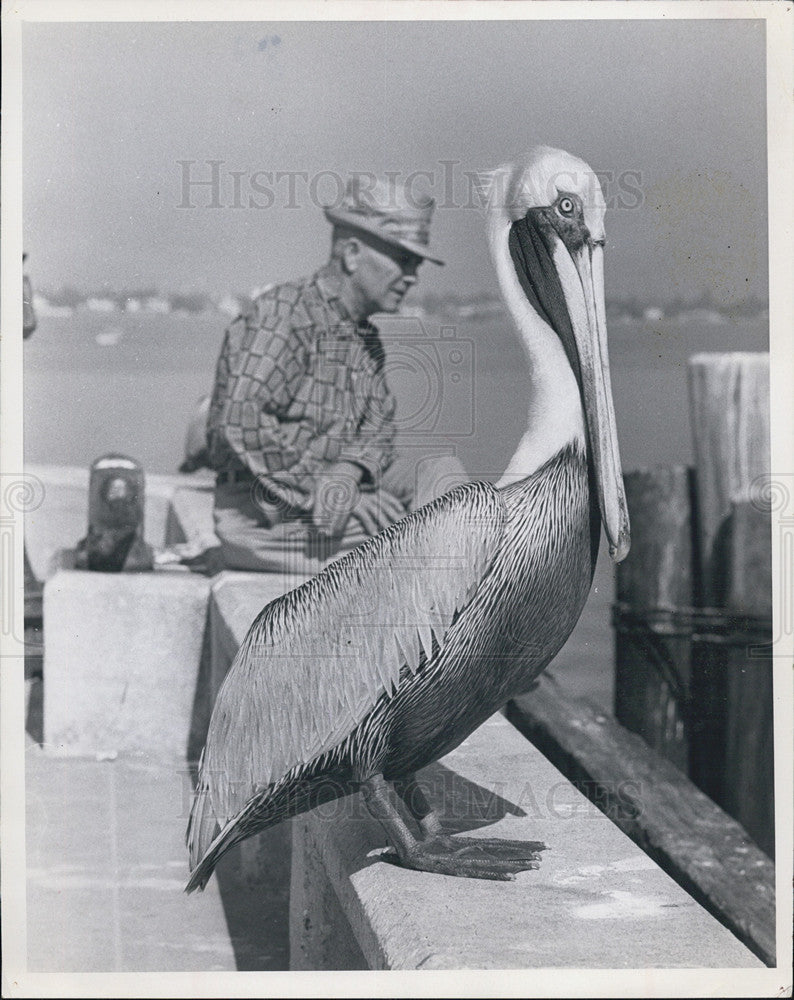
(749,738)
(729,395)
(657,574)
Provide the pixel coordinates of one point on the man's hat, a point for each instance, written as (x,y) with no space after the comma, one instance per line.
(382,207)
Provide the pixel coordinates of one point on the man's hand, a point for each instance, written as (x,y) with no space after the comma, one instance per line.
(336,495)
(377,511)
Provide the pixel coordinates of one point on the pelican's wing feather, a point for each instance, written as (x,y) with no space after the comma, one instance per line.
(316,660)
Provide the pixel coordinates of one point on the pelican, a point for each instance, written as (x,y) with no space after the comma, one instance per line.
(392,655)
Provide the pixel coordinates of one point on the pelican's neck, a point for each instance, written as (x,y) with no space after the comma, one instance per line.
(555,409)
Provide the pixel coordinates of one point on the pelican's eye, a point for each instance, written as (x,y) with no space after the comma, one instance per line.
(566,207)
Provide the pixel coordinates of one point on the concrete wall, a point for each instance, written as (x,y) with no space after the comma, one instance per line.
(596,901)
(122,651)
(121,659)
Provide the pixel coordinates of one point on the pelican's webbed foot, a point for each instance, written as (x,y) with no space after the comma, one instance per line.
(470,857)
(438,853)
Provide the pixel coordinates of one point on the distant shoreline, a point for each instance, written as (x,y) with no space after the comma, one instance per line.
(485,307)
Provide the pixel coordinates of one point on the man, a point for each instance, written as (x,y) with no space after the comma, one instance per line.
(301,424)
(33,586)
(29,321)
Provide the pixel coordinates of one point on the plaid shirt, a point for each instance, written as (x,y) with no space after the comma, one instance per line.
(299,385)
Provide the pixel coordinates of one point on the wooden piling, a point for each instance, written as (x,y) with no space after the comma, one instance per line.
(656,576)
(729,395)
(749,730)
(729,404)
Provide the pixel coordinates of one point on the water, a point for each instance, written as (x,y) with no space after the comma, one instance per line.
(96,383)
(129,383)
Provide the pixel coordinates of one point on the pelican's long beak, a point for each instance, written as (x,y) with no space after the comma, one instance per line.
(584,293)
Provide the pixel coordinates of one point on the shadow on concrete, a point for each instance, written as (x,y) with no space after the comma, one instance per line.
(202,702)
(254,880)
(34,716)
(462,804)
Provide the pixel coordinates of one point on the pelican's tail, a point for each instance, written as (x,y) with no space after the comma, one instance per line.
(207,846)
(201,833)
(298,791)
(202,870)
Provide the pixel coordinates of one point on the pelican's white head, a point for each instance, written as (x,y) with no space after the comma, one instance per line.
(546,233)
(544,178)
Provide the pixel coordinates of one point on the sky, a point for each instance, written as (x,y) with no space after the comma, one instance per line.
(116,117)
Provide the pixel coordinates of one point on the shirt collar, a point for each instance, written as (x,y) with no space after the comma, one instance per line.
(328,284)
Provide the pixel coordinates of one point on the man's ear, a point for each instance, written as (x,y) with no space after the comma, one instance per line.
(351,255)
